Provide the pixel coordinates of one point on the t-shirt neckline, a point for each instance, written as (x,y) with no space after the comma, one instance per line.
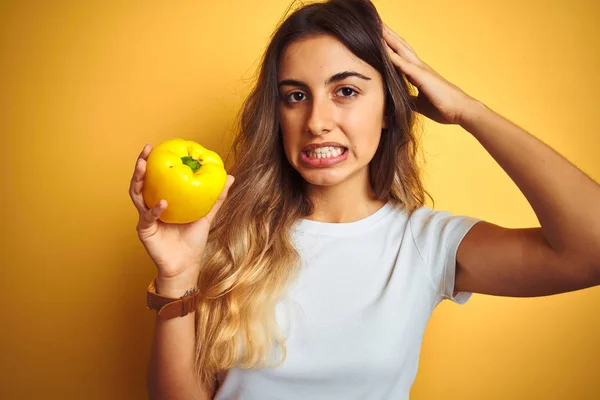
(343,228)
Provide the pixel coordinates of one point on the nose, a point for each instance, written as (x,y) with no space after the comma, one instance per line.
(321,118)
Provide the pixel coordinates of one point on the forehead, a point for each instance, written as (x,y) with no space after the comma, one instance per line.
(318,57)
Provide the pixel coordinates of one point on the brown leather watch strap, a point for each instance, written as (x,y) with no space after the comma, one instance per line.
(168,307)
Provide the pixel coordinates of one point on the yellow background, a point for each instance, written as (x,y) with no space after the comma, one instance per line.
(84,85)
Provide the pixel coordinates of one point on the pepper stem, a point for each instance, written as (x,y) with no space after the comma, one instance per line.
(192,163)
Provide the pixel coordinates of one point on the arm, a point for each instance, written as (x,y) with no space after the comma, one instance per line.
(171,366)
(564,253)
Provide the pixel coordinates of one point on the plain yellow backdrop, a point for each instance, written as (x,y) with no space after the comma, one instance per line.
(85,84)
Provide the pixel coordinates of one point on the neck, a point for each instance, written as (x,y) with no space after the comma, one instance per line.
(349,201)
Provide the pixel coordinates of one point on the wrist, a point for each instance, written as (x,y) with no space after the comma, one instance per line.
(172,302)
(472,112)
(175,287)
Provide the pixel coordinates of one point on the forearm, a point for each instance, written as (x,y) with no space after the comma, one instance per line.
(565,200)
(171,368)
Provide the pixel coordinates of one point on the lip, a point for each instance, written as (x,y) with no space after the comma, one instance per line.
(324,144)
(322,162)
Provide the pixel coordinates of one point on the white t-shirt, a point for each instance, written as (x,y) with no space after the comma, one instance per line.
(356,315)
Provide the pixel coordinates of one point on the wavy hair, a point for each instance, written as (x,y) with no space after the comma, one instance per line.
(250,259)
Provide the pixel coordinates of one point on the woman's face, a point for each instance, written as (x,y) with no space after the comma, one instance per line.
(331,107)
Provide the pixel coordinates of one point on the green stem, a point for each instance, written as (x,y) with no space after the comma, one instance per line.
(192,163)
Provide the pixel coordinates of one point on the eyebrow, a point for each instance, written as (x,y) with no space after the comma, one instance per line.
(335,78)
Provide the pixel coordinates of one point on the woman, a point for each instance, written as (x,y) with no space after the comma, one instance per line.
(317,276)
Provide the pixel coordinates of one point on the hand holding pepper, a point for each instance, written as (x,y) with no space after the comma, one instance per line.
(175,248)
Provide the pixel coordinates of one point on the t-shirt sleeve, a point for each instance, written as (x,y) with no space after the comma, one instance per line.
(437,235)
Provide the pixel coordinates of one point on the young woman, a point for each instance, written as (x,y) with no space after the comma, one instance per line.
(317,277)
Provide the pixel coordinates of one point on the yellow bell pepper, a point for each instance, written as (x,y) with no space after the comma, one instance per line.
(185,174)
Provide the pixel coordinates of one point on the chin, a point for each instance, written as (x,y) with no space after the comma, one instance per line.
(322,177)
(328,176)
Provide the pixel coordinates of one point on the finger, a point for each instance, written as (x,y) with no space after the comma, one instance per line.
(404,49)
(399,45)
(408,68)
(145,151)
(147,225)
(135,187)
(137,180)
(211,215)
(403,41)
(387,31)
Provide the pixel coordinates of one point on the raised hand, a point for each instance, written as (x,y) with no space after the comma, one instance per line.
(438,99)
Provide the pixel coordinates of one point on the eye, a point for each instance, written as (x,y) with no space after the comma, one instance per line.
(346,90)
(349,90)
(290,96)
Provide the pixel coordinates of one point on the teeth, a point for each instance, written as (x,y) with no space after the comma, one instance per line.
(325,152)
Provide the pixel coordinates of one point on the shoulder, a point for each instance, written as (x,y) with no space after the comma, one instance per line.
(436,223)
(437,234)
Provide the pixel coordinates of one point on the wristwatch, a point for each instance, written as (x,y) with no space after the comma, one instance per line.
(168,307)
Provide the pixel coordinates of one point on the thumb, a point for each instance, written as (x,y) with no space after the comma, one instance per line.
(211,215)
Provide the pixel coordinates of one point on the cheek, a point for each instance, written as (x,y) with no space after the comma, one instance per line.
(290,134)
(364,129)
(365,146)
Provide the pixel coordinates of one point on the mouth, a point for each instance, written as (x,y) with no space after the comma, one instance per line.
(323,156)
(328,152)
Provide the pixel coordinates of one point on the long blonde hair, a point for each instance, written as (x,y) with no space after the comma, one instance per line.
(250,259)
